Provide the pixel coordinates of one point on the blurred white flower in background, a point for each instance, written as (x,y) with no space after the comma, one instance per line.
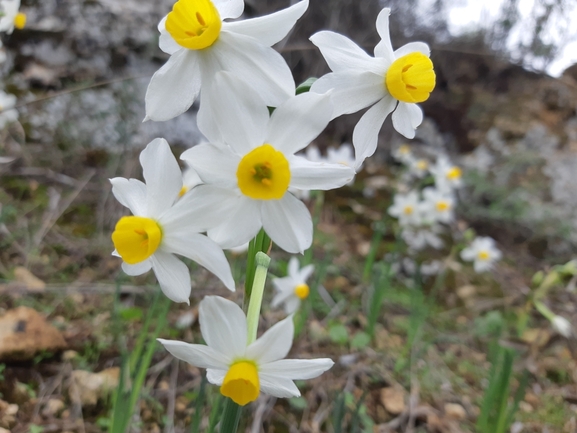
(7,112)
(292,289)
(406,207)
(483,253)
(11,18)
(447,175)
(438,205)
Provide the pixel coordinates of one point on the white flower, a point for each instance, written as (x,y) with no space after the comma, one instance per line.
(313,154)
(418,238)
(406,207)
(201,43)
(11,18)
(438,205)
(562,326)
(392,80)
(292,289)
(190,179)
(403,154)
(164,225)
(482,252)
(7,113)
(250,164)
(418,167)
(447,175)
(431,268)
(244,370)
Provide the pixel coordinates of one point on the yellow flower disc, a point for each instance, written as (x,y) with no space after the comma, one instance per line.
(454,173)
(411,78)
(241,383)
(483,255)
(20,20)
(302,291)
(422,164)
(443,206)
(194,24)
(136,238)
(408,210)
(263,173)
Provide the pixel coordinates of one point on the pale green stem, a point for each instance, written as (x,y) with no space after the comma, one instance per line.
(262,262)
(544,310)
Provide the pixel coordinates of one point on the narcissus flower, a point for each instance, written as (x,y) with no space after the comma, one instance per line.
(164,225)
(390,81)
(249,165)
(292,289)
(407,208)
(483,253)
(438,205)
(201,43)
(448,176)
(244,370)
(418,238)
(10,17)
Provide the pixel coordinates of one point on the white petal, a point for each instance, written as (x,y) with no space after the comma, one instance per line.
(292,304)
(173,276)
(298,121)
(384,48)
(306,272)
(234,112)
(468,254)
(174,87)
(216,377)
(165,41)
(274,344)
(366,132)
(216,165)
(342,54)
(272,28)
(259,66)
(281,388)
(285,290)
(352,90)
(243,223)
(293,267)
(203,251)
(198,355)
(413,47)
(223,326)
(406,118)
(131,193)
(309,175)
(162,175)
(201,209)
(288,223)
(229,8)
(137,269)
(297,369)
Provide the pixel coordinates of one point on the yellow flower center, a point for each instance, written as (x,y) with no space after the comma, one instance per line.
(411,78)
(422,164)
(241,383)
(454,173)
(483,255)
(20,20)
(136,238)
(182,191)
(404,149)
(408,210)
(263,173)
(194,24)
(302,291)
(443,206)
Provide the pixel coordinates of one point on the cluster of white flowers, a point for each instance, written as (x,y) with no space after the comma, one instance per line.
(422,213)
(10,18)
(248,175)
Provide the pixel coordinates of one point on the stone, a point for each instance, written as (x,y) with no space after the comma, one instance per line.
(27,279)
(53,407)
(87,387)
(24,333)
(455,411)
(393,399)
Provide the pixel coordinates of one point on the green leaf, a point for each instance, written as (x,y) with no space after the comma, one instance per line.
(298,403)
(360,340)
(339,334)
(132,314)
(306,85)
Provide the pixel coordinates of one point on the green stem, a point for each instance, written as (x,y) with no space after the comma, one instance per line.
(260,243)
(262,262)
(230,417)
